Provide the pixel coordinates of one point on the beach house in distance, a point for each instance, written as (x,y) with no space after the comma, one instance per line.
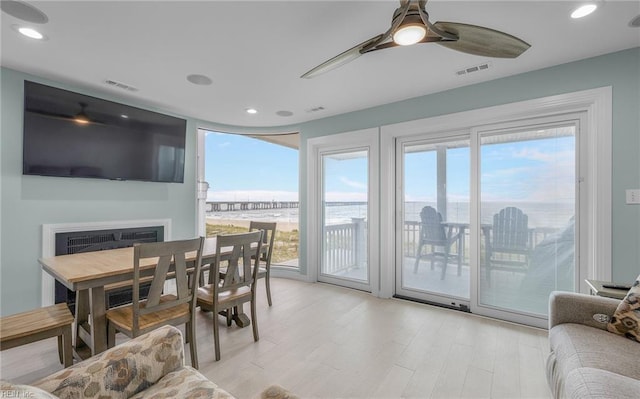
(502,114)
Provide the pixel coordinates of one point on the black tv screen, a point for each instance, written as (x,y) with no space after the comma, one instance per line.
(72,135)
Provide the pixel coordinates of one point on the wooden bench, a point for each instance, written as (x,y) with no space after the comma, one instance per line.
(35,325)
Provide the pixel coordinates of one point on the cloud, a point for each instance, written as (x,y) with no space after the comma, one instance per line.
(535,154)
(341,196)
(225,144)
(351,183)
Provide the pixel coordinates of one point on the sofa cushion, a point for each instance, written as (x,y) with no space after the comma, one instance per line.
(575,346)
(587,382)
(122,371)
(184,383)
(626,319)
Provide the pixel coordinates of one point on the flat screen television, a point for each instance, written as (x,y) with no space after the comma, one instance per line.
(72,135)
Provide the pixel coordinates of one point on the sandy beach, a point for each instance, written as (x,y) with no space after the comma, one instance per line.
(281,226)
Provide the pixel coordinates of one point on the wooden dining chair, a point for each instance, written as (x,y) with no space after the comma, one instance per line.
(266,249)
(268,238)
(240,254)
(142,316)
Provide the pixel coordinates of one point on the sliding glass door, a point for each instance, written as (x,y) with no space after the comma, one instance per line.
(488,218)
(527,203)
(433,257)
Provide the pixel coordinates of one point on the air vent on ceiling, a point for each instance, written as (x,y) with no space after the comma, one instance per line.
(472,69)
(315,109)
(120,85)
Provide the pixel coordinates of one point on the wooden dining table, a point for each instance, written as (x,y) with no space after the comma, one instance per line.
(88,273)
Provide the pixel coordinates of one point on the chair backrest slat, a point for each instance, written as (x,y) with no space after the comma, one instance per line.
(268,238)
(431,228)
(236,251)
(510,229)
(171,259)
(160,277)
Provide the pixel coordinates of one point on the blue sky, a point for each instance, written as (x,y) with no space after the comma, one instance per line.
(246,169)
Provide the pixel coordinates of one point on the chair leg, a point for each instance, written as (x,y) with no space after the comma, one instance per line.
(433,256)
(67,347)
(229,314)
(444,263)
(216,333)
(111,335)
(191,333)
(268,285)
(254,319)
(418,253)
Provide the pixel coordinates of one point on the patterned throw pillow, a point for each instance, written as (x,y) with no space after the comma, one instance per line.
(626,319)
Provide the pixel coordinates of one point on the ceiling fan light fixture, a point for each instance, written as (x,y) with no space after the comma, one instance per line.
(81,119)
(583,11)
(409,34)
(410,31)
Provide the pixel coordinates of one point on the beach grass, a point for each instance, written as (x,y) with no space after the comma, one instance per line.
(285,245)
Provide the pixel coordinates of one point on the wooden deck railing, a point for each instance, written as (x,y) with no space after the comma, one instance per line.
(345,244)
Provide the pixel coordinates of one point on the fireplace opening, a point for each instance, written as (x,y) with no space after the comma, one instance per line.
(99,240)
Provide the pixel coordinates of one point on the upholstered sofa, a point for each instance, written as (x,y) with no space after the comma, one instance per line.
(151,365)
(586,360)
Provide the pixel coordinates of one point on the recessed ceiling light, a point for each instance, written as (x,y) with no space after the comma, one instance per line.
(583,11)
(29,32)
(123,116)
(200,80)
(251,111)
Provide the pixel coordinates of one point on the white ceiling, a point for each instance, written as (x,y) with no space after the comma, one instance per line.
(255,51)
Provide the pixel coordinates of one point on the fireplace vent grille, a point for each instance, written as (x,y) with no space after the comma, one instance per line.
(97,240)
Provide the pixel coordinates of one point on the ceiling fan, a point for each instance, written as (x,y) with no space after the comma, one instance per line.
(410,25)
(80,118)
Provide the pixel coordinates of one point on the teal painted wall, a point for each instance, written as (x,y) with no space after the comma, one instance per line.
(30,201)
(620,70)
(27,202)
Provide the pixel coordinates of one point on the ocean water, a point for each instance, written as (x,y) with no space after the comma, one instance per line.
(263,215)
(541,214)
(552,215)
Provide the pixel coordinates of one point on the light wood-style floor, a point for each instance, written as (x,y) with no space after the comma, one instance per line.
(324,341)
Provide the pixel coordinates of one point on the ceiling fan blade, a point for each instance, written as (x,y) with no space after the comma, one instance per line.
(482,41)
(340,59)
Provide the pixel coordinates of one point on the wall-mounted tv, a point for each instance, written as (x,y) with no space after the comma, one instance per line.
(72,135)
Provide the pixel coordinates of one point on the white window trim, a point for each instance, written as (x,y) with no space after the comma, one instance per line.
(339,142)
(202,186)
(597,103)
